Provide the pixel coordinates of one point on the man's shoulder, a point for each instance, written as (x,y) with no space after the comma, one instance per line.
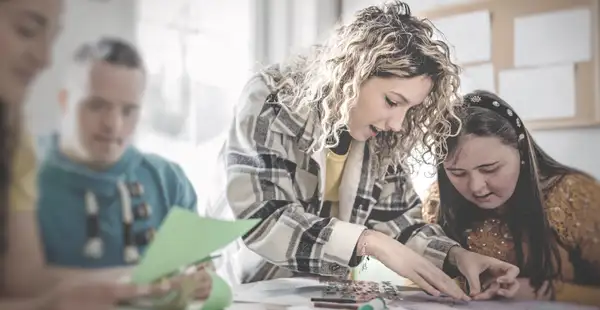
(165,167)
(159,161)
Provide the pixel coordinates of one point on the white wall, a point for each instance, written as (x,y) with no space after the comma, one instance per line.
(577,147)
(84,20)
(221,42)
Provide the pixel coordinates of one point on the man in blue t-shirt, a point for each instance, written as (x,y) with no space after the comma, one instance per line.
(101,199)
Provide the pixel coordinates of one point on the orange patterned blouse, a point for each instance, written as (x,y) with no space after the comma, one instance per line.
(573,210)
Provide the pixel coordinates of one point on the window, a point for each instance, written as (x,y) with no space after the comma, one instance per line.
(198,57)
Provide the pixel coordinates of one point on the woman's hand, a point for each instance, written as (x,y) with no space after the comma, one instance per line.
(409,264)
(500,278)
(519,289)
(494,288)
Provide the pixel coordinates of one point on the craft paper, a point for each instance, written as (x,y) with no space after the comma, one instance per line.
(282,291)
(422,301)
(183,239)
(220,296)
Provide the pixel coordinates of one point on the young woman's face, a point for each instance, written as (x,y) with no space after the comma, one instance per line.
(27,32)
(484,170)
(382,104)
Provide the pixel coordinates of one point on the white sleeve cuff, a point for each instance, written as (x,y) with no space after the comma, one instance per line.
(342,241)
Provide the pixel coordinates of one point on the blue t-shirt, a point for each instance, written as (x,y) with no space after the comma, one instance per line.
(154,185)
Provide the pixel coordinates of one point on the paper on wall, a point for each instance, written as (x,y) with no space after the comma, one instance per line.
(480,77)
(553,38)
(468,36)
(540,93)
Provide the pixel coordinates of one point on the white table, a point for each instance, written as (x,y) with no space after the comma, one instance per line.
(299,291)
(295,294)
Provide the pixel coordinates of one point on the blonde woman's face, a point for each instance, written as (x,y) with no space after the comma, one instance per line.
(382,104)
(27,32)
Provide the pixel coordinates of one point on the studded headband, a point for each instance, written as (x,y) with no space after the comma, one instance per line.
(506,112)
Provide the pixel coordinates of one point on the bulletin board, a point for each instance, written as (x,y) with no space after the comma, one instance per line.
(503,16)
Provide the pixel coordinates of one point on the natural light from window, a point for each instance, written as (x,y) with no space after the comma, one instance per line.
(196,73)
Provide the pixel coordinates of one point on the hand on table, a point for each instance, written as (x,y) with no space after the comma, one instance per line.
(521,287)
(499,278)
(407,263)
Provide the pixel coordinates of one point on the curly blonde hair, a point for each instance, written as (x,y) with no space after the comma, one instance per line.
(382,41)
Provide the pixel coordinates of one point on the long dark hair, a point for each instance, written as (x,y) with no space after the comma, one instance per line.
(10,122)
(8,138)
(486,115)
(9,135)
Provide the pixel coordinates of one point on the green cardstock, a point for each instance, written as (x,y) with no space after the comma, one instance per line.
(183,239)
(220,296)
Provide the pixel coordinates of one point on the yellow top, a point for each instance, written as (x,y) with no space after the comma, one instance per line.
(334,169)
(573,211)
(23,187)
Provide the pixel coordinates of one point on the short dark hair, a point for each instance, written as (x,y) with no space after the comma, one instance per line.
(112,50)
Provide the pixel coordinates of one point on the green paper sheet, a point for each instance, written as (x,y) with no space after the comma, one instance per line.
(220,297)
(183,239)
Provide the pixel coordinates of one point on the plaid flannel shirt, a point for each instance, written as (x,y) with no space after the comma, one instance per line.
(271,176)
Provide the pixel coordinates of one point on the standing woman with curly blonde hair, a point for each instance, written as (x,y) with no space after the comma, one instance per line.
(317,152)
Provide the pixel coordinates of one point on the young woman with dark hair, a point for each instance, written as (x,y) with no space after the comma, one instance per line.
(499,194)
